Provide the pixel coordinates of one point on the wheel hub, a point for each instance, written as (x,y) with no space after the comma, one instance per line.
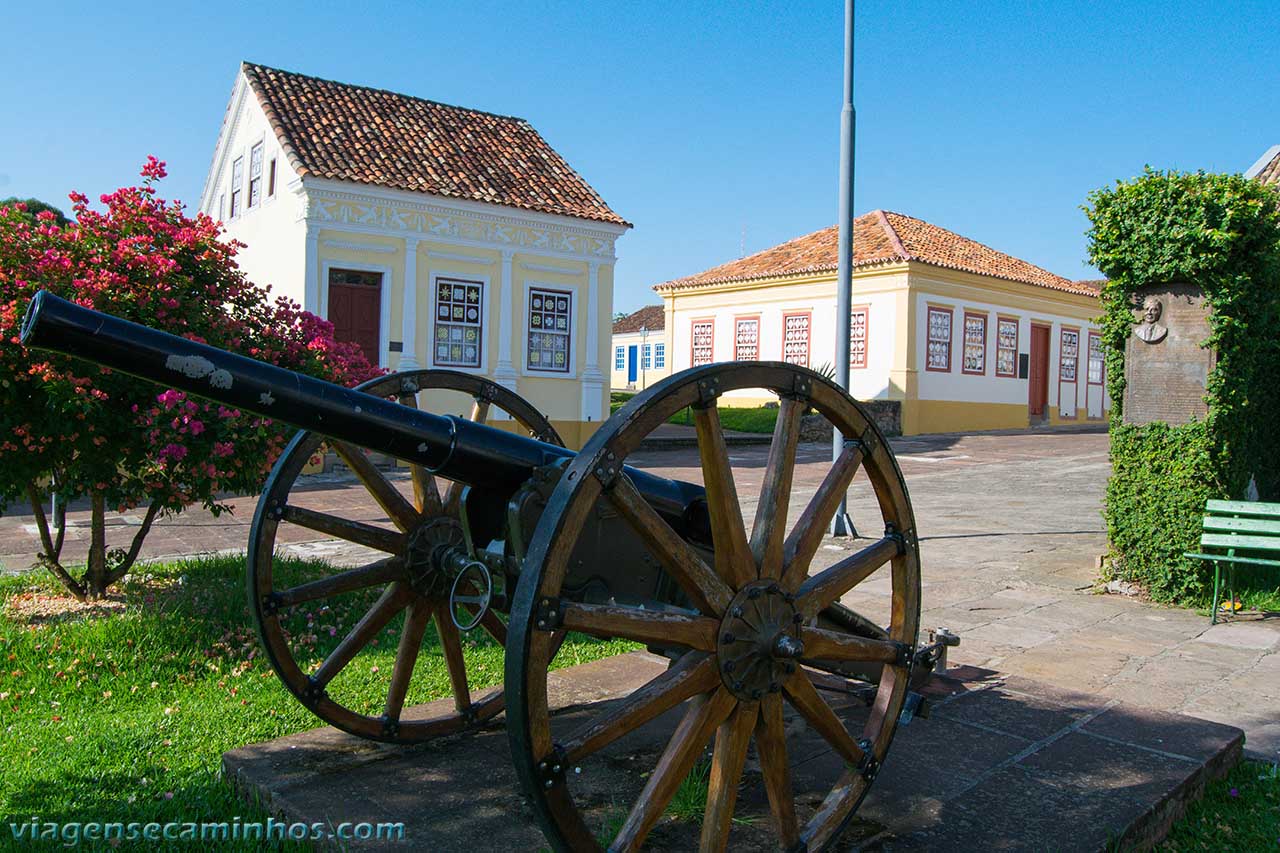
(425,552)
(759,643)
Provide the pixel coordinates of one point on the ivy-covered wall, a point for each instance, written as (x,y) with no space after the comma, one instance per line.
(1222,234)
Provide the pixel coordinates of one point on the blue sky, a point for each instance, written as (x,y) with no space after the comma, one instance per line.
(696,121)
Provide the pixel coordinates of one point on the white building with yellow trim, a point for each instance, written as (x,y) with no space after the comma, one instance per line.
(433,235)
(639,349)
(963,336)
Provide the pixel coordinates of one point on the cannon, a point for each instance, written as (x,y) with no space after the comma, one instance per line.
(508,532)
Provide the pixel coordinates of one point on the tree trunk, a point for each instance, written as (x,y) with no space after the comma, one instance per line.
(51,549)
(97,572)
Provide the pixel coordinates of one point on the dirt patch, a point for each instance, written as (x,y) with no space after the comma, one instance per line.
(38,607)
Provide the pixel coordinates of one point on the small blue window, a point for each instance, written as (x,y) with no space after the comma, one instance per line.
(619,358)
(659,356)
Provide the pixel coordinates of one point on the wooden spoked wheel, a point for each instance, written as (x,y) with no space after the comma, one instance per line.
(296,620)
(747,645)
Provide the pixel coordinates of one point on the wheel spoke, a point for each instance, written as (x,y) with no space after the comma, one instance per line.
(388,605)
(691,735)
(374,574)
(479,411)
(426,494)
(657,627)
(379,538)
(819,591)
(807,535)
(771,746)
(730,754)
(832,646)
(451,643)
(692,674)
(415,625)
(770,529)
(733,555)
(392,502)
(802,695)
(703,586)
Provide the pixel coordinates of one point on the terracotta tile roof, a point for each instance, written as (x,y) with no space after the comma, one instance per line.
(880,237)
(651,317)
(372,136)
(1267,169)
(1094,284)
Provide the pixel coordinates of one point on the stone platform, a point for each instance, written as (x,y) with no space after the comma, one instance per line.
(1002,763)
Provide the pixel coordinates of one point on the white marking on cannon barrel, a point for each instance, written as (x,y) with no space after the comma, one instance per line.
(265,398)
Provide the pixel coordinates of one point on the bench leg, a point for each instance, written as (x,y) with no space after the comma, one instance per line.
(1216,570)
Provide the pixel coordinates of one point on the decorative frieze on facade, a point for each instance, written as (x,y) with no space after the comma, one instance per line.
(455,225)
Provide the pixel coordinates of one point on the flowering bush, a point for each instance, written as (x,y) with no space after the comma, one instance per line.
(69,426)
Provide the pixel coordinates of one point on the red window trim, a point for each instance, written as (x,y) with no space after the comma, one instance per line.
(964,340)
(1017,341)
(736,318)
(951,324)
(1074,383)
(866,337)
(712,322)
(1103,379)
(808,336)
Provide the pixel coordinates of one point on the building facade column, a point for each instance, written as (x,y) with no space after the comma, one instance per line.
(592,378)
(504,373)
(311,270)
(409,323)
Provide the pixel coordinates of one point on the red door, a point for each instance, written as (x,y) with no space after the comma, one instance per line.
(1038,373)
(355,309)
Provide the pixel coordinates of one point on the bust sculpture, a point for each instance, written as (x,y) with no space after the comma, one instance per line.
(1150,330)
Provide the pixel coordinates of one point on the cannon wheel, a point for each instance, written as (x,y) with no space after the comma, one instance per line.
(732,688)
(420,524)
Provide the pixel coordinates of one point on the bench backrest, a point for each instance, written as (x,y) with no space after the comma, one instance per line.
(1242,526)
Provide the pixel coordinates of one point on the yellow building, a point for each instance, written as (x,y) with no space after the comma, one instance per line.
(963,336)
(639,349)
(432,235)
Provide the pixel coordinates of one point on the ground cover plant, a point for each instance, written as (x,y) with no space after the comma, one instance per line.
(1239,812)
(120,711)
(736,418)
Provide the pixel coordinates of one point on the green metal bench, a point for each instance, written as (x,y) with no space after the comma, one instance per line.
(1238,532)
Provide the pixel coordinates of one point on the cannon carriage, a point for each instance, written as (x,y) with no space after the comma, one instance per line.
(508,533)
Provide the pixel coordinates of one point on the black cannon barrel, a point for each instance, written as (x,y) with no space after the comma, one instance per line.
(454,447)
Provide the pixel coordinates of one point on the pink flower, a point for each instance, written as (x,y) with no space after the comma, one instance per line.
(173,451)
(153,168)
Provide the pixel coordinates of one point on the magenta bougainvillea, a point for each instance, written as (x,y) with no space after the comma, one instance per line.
(83,431)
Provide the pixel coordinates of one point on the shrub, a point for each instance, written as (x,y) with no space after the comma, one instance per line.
(83,431)
(1221,233)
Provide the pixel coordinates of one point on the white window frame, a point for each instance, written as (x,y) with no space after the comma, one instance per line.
(659,356)
(575,306)
(619,358)
(261,148)
(235,211)
(486,297)
(384,299)
(646,356)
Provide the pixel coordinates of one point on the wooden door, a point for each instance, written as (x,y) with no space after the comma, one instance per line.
(355,309)
(1038,374)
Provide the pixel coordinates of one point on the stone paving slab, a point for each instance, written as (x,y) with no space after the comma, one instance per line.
(1003,763)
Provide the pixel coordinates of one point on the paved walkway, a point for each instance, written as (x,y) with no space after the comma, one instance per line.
(1010,535)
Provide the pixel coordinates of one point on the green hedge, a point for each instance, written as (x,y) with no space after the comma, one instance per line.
(1221,233)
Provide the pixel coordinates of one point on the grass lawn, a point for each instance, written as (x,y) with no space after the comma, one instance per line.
(1240,812)
(731,418)
(123,715)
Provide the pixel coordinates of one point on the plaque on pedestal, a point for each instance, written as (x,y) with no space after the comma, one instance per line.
(1166,366)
